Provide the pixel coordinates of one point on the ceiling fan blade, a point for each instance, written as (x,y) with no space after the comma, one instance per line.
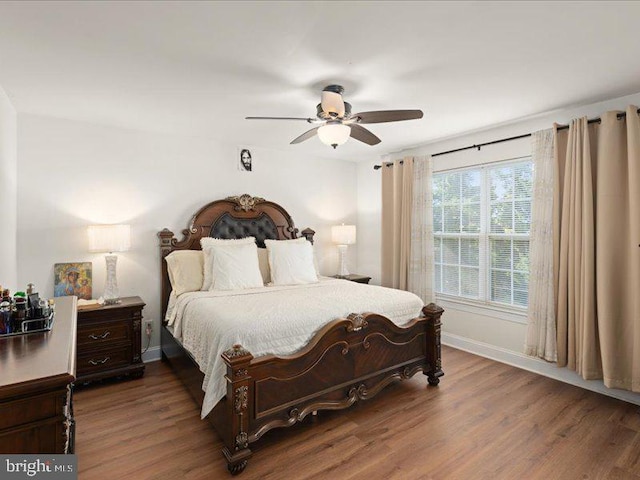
(364,135)
(305,136)
(309,120)
(382,116)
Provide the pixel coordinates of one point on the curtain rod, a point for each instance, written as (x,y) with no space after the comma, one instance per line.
(620,116)
(479,146)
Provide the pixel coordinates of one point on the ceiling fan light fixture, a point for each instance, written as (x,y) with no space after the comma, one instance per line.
(332,104)
(336,123)
(334,134)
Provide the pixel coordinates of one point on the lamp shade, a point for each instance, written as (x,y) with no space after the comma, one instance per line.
(109,238)
(334,134)
(332,103)
(343,234)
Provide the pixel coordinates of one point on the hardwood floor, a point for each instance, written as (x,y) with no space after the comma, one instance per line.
(486,420)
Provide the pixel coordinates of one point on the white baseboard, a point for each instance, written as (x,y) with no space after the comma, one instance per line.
(534,365)
(152,355)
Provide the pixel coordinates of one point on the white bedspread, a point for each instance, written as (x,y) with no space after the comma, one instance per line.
(273,320)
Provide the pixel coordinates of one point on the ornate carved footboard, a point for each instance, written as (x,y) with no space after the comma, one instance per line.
(349,360)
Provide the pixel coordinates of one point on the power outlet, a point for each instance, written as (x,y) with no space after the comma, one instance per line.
(148,327)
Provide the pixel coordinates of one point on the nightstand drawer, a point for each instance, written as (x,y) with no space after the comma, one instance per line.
(102,360)
(103,333)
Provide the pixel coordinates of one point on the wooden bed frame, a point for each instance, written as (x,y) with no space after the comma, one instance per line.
(348,360)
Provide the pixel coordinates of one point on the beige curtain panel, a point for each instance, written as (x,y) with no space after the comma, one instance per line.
(397,195)
(597,249)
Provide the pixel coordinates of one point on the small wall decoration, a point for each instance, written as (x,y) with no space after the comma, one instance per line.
(73,279)
(245,159)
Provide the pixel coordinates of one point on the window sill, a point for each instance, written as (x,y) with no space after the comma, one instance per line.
(508,314)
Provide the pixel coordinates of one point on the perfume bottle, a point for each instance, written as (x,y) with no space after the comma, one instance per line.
(43,307)
(19,313)
(5,317)
(33,305)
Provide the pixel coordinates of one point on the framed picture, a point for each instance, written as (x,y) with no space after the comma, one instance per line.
(245,159)
(73,279)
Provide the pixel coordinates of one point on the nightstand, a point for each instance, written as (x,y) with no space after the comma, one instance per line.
(354,277)
(108,341)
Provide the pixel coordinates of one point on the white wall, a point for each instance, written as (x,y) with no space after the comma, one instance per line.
(369,239)
(502,331)
(8,193)
(75,174)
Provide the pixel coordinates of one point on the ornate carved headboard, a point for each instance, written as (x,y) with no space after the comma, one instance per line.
(234,217)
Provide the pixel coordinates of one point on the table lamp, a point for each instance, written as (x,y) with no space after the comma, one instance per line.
(343,235)
(110,238)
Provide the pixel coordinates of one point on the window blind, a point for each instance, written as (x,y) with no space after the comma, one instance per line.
(481,219)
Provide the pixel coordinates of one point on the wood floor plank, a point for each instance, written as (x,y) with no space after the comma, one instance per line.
(629,460)
(630,417)
(486,420)
(620,474)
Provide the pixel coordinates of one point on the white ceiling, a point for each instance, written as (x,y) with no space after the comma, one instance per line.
(199,68)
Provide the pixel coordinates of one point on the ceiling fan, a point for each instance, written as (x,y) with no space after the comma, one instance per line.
(336,123)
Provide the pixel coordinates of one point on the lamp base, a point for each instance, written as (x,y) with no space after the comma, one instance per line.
(111,294)
(343,260)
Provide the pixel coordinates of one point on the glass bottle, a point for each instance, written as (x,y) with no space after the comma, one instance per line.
(5,318)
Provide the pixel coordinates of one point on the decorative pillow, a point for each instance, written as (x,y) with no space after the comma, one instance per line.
(185,269)
(263,260)
(235,267)
(206,244)
(291,262)
(295,240)
(263,263)
(170,306)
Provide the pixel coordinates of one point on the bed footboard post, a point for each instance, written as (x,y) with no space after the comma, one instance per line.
(236,439)
(434,351)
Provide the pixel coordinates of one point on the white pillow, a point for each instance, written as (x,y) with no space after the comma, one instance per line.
(185,269)
(263,260)
(291,262)
(171,305)
(235,267)
(293,240)
(206,243)
(263,263)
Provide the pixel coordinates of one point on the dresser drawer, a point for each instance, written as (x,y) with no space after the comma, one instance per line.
(31,409)
(103,359)
(103,333)
(41,437)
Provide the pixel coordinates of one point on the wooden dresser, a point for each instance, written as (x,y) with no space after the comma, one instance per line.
(109,340)
(36,375)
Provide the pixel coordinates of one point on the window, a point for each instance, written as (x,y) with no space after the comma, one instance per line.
(481,222)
